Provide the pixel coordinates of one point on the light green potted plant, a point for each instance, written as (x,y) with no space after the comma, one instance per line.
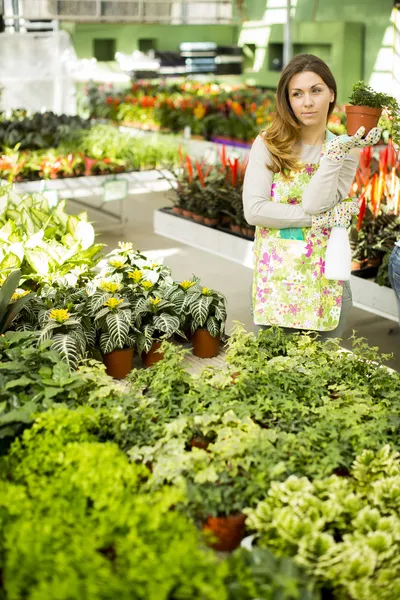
(365,108)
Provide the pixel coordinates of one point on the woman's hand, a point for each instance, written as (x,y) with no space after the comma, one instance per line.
(338,149)
(339,216)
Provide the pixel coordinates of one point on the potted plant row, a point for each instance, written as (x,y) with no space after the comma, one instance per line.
(212,194)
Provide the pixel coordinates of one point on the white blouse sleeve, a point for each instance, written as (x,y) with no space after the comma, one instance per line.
(329,185)
(257,205)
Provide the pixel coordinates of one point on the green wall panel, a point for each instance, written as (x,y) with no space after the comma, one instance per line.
(127,35)
(374,14)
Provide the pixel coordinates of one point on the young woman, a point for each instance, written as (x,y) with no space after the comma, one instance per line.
(295,190)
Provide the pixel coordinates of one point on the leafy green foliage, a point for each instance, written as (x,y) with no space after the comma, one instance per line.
(40,130)
(33,378)
(260,574)
(344,531)
(72,529)
(45,243)
(11,302)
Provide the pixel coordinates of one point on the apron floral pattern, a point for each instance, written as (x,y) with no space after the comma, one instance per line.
(289,287)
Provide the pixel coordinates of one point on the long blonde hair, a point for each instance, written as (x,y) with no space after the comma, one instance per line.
(284,133)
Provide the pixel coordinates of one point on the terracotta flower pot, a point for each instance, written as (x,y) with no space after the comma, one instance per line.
(235,228)
(151,357)
(198,218)
(119,363)
(229,531)
(204,344)
(177,210)
(210,222)
(187,213)
(361,116)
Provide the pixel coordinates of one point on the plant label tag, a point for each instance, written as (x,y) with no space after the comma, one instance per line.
(115,189)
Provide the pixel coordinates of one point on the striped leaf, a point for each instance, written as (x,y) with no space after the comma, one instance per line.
(213,326)
(97,301)
(106,343)
(220,312)
(199,310)
(118,328)
(66,345)
(166,323)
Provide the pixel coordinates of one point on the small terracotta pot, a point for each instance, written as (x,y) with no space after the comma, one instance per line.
(187,213)
(198,218)
(210,222)
(204,344)
(199,442)
(361,116)
(151,357)
(229,531)
(226,219)
(119,363)
(235,228)
(177,210)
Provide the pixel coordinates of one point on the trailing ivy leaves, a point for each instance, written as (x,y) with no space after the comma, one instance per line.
(33,377)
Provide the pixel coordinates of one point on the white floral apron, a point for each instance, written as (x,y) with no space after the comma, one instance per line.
(289,287)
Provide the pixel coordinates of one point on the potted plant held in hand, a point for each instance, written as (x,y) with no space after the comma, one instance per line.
(365,108)
(207,309)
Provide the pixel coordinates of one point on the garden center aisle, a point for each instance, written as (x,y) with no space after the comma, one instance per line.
(232,279)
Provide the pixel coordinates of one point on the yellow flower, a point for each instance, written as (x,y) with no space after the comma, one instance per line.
(110,286)
(117,264)
(186,284)
(206,291)
(147,285)
(199,111)
(155,301)
(18,295)
(155,265)
(113,302)
(135,275)
(125,246)
(59,314)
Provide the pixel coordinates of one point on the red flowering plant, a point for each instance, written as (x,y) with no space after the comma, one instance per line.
(212,191)
(377,186)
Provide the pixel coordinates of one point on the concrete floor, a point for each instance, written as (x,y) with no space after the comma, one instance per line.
(230,278)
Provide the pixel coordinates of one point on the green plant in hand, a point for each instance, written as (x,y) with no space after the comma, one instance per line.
(363,95)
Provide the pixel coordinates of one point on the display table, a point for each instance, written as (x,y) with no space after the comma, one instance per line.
(367,295)
(80,189)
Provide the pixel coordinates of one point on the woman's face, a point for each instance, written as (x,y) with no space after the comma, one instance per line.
(309,98)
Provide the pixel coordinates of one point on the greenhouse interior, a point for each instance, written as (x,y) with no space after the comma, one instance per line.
(200,300)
